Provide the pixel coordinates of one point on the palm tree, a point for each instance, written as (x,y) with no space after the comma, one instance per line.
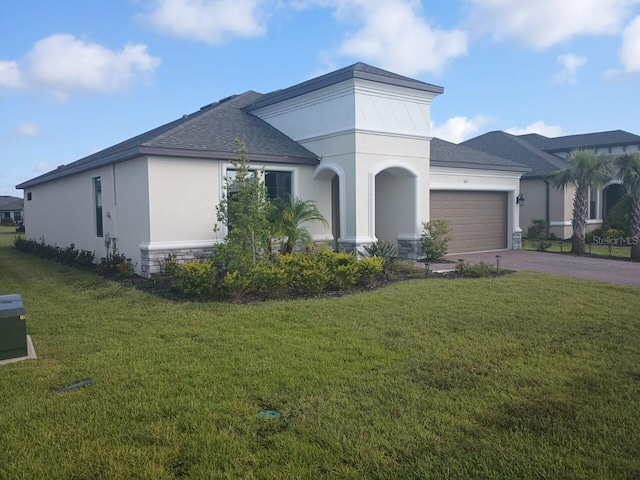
(288,221)
(629,173)
(587,170)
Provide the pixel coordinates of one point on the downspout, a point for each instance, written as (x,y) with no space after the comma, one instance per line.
(546,182)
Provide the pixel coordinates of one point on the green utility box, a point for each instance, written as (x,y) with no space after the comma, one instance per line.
(13,327)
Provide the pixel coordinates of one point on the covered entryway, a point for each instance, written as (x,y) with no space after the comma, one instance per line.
(395,204)
(479,219)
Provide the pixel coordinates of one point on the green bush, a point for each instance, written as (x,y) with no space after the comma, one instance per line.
(477,270)
(271,279)
(238,284)
(369,269)
(383,250)
(111,264)
(538,233)
(68,256)
(7,222)
(435,239)
(196,278)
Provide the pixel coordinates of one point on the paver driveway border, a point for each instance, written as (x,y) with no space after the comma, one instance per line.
(588,268)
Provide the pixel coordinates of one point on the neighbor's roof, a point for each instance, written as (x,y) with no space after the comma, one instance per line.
(357,70)
(586,140)
(11,203)
(207,133)
(447,154)
(519,150)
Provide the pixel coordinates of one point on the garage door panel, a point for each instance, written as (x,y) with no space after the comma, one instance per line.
(478,219)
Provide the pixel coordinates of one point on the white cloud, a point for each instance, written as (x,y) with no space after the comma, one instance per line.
(543,23)
(43,167)
(63,64)
(459,129)
(10,76)
(210,21)
(570,64)
(630,50)
(539,127)
(26,129)
(393,34)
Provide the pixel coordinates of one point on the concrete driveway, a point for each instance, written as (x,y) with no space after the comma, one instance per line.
(611,271)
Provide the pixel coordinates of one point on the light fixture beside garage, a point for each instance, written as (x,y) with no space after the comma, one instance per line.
(520,200)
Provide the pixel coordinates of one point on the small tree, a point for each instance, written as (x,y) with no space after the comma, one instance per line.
(244,209)
(435,239)
(288,219)
(538,233)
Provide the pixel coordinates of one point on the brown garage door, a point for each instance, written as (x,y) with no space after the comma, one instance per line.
(478,219)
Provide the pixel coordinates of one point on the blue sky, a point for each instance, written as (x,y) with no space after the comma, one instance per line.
(78,76)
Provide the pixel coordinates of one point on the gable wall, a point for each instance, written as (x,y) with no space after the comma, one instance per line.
(63,211)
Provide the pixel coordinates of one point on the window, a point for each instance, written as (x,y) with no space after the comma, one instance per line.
(28,196)
(97,190)
(593,203)
(17,216)
(278,184)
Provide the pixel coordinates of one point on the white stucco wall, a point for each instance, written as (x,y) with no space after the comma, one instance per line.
(360,128)
(63,212)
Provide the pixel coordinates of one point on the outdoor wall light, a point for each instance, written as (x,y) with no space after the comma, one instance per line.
(520,200)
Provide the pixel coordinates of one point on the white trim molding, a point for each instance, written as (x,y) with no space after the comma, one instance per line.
(155,246)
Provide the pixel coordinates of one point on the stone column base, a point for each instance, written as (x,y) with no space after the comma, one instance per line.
(151,260)
(516,241)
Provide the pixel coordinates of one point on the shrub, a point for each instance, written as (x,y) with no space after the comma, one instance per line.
(538,233)
(7,222)
(308,273)
(314,279)
(68,256)
(369,269)
(20,229)
(237,284)
(435,239)
(271,278)
(478,270)
(111,263)
(170,267)
(383,250)
(196,278)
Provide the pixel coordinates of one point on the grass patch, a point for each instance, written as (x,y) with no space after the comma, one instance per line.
(558,246)
(520,376)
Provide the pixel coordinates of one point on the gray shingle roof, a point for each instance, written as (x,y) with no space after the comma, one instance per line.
(357,70)
(447,154)
(519,150)
(207,133)
(11,203)
(586,140)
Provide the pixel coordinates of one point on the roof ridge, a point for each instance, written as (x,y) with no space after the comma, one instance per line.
(552,159)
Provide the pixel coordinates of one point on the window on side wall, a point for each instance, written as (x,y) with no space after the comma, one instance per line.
(278,183)
(97,191)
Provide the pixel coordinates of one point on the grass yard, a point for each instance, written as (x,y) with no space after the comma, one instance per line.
(522,376)
(602,250)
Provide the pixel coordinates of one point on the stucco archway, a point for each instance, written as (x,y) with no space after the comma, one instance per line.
(395,205)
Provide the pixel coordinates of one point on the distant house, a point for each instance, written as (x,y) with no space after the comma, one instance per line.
(356,141)
(544,155)
(11,208)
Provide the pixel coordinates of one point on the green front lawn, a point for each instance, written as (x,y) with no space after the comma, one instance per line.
(602,250)
(522,376)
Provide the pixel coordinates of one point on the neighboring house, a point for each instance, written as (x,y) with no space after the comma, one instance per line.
(11,207)
(544,155)
(356,141)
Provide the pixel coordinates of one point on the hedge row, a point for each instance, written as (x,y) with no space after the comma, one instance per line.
(307,274)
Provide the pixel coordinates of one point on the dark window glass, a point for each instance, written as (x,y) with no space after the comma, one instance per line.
(97,189)
(28,196)
(593,196)
(278,184)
